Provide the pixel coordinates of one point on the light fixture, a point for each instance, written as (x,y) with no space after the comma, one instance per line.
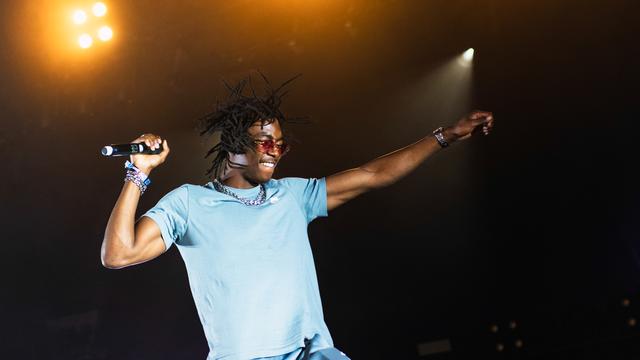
(99,9)
(105,33)
(468,55)
(79,17)
(91,22)
(85,41)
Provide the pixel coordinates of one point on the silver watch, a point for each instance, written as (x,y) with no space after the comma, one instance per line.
(440,137)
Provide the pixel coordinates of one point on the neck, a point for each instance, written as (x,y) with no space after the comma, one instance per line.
(237,181)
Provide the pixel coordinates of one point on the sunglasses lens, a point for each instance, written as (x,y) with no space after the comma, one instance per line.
(263,146)
(266,146)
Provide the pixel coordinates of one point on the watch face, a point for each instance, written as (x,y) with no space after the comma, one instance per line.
(440,138)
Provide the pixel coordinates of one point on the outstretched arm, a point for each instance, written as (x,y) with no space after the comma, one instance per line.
(389,168)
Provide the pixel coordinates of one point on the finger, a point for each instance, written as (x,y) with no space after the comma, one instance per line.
(142,138)
(151,140)
(139,139)
(480,121)
(165,145)
(480,114)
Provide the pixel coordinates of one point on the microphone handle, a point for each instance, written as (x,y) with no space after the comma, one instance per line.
(129,149)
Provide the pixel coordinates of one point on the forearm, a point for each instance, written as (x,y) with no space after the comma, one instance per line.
(119,237)
(388,169)
(391,167)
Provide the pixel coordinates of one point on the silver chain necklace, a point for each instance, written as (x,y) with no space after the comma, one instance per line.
(259,200)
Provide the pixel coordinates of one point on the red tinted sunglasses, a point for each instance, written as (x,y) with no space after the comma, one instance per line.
(270,146)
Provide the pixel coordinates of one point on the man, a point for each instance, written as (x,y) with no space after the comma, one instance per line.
(243,236)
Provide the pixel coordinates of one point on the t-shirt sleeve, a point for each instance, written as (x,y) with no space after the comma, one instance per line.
(311,194)
(171,214)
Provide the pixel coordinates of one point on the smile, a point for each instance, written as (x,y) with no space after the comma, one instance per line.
(268,164)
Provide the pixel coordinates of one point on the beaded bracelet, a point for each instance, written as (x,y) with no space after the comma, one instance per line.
(136,176)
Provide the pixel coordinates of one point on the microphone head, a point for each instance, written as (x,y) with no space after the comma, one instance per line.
(107,150)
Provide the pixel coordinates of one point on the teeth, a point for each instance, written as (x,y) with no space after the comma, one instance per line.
(268,164)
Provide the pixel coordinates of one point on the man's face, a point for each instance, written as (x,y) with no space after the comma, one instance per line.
(261,160)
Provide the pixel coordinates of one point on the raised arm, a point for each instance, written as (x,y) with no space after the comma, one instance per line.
(389,168)
(126,242)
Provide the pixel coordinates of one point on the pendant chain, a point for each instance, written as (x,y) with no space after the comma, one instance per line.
(259,200)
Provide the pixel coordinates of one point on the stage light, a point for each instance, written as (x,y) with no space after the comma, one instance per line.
(93,25)
(105,33)
(79,17)
(468,55)
(518,344)
(465,59)
(99,9)
(507,337)
(85,41)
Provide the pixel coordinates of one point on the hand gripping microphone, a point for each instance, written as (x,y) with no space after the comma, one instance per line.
(129,149)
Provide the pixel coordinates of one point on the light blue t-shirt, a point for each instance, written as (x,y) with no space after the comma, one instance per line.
(250,268)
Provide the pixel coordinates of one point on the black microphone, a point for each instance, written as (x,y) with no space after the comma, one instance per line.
(129,149)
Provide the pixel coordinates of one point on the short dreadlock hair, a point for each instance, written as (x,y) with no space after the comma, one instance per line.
(233,118)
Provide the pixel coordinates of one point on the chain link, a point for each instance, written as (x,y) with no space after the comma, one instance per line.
(259,200)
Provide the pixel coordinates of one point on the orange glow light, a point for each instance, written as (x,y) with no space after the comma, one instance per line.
(105,33)
(85,41)
(79,17)
(99,9)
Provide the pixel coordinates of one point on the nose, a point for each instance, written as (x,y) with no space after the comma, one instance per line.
(274,152)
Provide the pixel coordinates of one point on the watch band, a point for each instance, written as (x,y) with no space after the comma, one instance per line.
(440,137)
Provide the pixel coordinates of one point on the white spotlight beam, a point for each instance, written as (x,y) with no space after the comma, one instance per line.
(468,55)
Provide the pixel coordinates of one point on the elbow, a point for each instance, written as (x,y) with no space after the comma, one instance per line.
(110,263)
(110,260)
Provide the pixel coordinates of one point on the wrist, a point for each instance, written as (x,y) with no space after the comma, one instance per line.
(137,176)
(444,137)
(143,169)
(449,135)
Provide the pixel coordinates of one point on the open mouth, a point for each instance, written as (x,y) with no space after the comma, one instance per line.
(268,164)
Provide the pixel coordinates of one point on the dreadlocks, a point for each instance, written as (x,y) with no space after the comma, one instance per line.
(234,117)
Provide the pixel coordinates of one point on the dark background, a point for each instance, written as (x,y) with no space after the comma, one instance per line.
(537,223)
